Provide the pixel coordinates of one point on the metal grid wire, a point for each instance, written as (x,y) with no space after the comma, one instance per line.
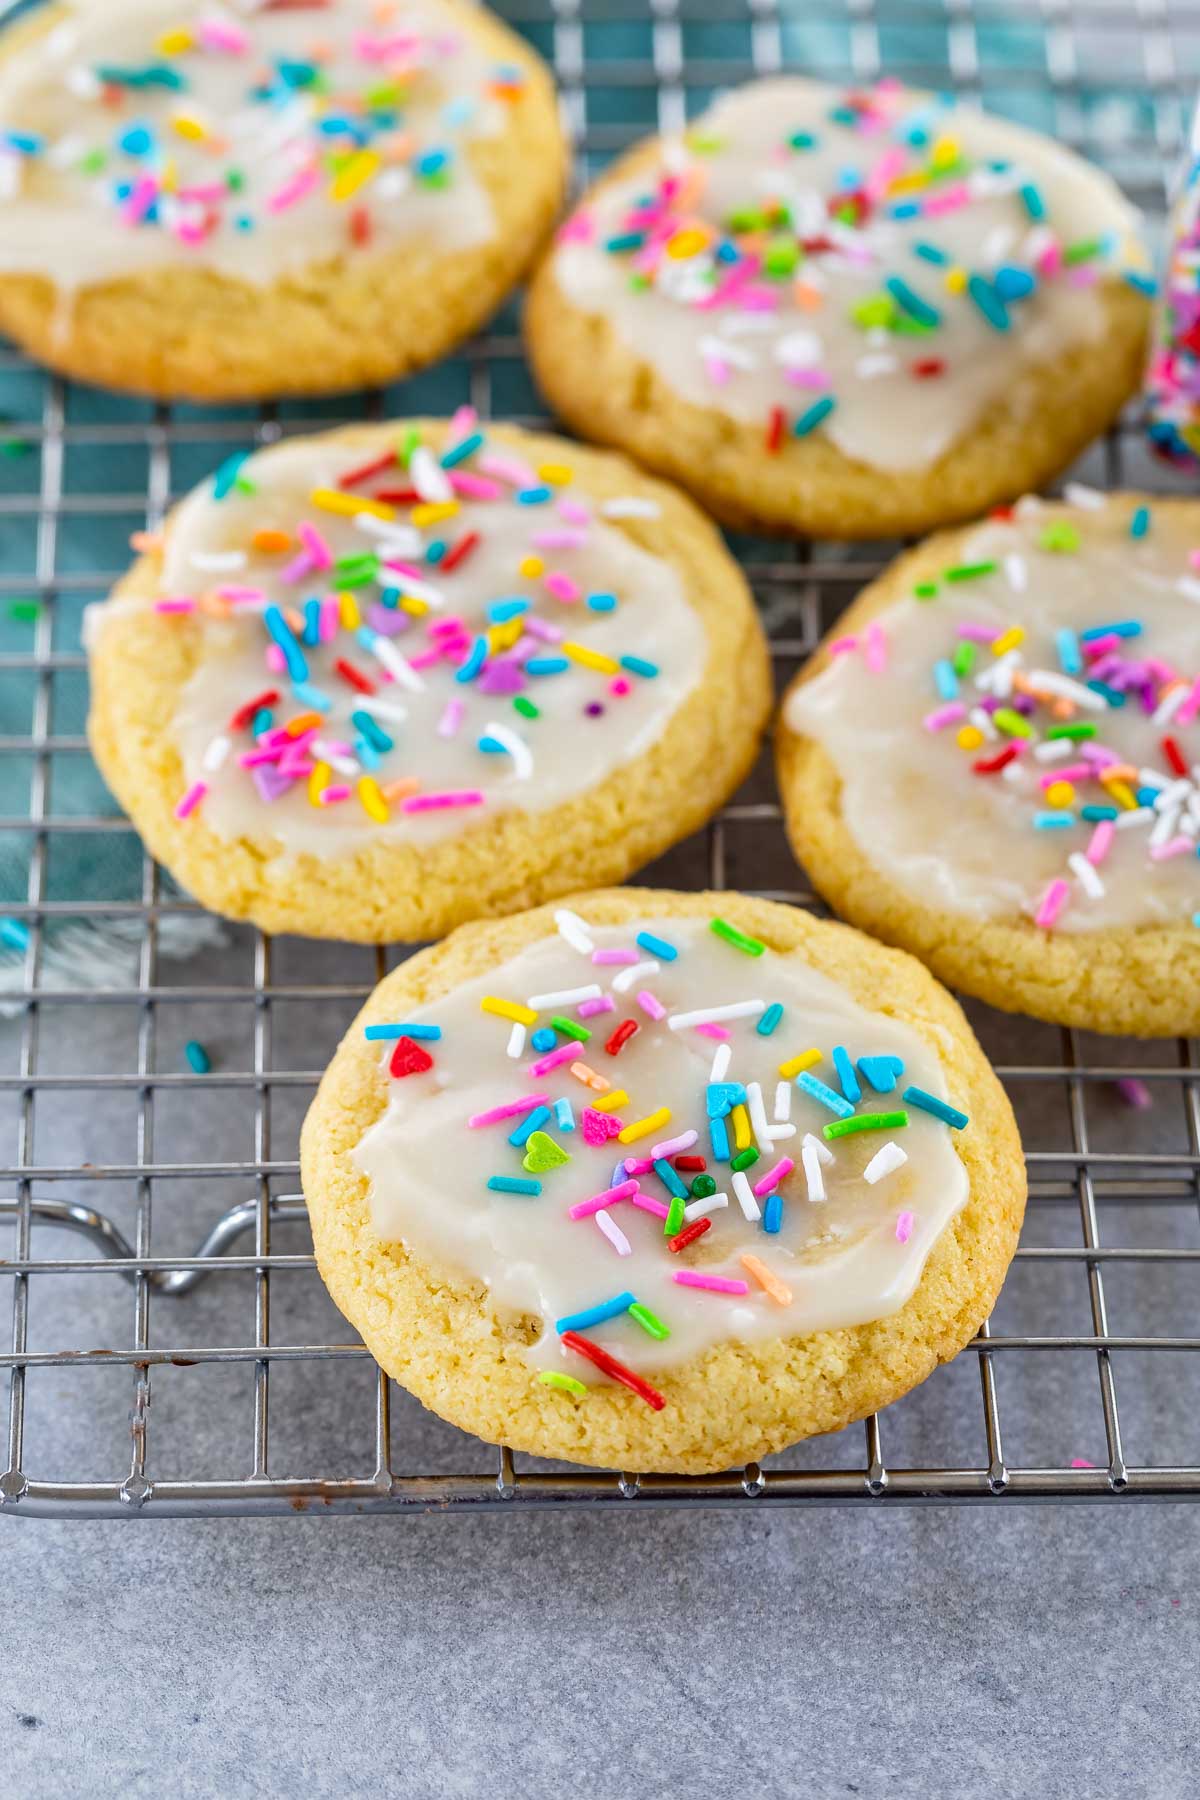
(256,1412)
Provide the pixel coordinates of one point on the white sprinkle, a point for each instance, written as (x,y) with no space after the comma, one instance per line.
(1017,573)
(574,930)
(812,1170)
(783,1101)
(383,709)
(516,1040)
(564,997)
(799,350)
(1138,815)
(1172,793)
(1189,587)
(997,677)
(712,1015)
(1054,750)
(517,749)
(867,368)
(1168,707)
(721,1062)
(453,714)
(215,754)
(724,351)
(396,540)
(982,721)
(345,765)
(824,1153)
(700,1209)
(420,590)
(1086,875)
(613,1233)
(218,562)
(625,978)
(1165,827)
(1152,778)
(397,666)
(428,476)
(631,506)
(758,1114)
(884,1162)
(1089,498)
(745,1196)
(775,1133)
(1054,683)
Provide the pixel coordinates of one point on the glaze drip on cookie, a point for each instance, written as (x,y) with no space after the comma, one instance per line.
(399,643)
(1018,737)
(254,141)
(873,268)
(659,1138)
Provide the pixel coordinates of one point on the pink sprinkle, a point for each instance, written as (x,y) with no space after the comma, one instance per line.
(222,34)
(475,487)
(615,956)
(463,421)
(587,1009)
(331,795)
(140,199)
(562,587)
(302,182)
(808,378)
(238,594)
(297,569)
(716,1284)
(875,648)
(330,620)
(1095,647)
(614,1234)
(442,802)
(1081,1462)
(1072,772)
(204,193)
(574,512)
(560,537)
(318,549)
(253,759)
(1179,846)
(944,715)
(773,1177)
(670,1146)
(1101,842)
(945,201)
(191,799)
(978,634)
(624,1190)
(720,1032)
(904,1227)
(451,719)
(646,1203)
(507,468)
(580,228)
(512,1109)
(619,686)
(1194,558)
(638,1165)
(650,1004)
(174,606)
(552,1059)
(842,646)
(1053,901)
(275,660)
(1191,705)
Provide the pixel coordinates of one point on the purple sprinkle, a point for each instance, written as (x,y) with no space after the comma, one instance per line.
(270,783)
(1135,1093)
(593,709)
(503,676)
(388,621)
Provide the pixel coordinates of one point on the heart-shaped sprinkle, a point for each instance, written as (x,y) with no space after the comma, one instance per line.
(722,1096)
(542,1153)
(408,1058)
(882,1072)
(598,1127)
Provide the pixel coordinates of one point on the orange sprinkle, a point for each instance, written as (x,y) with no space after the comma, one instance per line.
(294,619)
(778,1290)
(270,542)
(589,1077)
(306,721)
(400,789)
(145,541)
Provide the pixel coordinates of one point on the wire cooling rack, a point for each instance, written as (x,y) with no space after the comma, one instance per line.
(157,1245)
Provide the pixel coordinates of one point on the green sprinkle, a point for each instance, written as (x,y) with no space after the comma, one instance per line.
(570,1029)
(1012,722)
(1059,535)
(1139,525)
(705,143)
(970,571)
(781,258)
(877,311)
(408,443)
(1083,251)
(649,1322)
(963,659)
(673,1223)
(197,1056)
(27,610)
(738,939)
(882,1121)
(14,447)
(745,1159)
(567,1383)
(526,708)
(803,140)
(925,590)
(703,1187)
(1085,730)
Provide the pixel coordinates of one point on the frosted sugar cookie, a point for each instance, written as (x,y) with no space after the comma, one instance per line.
(661,1181)
(220,201)
(373,683)
(853,314)
(993,761)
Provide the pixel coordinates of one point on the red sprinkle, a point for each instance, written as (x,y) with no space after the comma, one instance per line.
(244,714)
(694,1165)
(1174,756)
(621,1036)
(775,430)
(688,1235)
(354,676)
(928,366)
(458,553)
(991,765)
(610,1366)
(408,1058)
(360,226)
(352,477)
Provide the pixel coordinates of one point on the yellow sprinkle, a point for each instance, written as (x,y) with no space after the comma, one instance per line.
(175,43)
(410,604)
(170,175)
(354,173)
(591,659)
(908,183)
(349,617)
(643,1127)
(741,1128)
(956,281)
(347,505)
(531,567)
(778,1290)
(373,802)
(590,1079)
(796,1065)
(969,737)
(503,637)
(1121,792)
(689,242)
(610,1102)
(1008,640)
(318,781)
(184,125)
(508,1009)
(557,474)
(432,512)
(944,151)
(1060,793)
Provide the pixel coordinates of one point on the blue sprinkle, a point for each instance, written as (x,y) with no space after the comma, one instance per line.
(544,1038)
(564,1116)
(911,302)
(469,670)
(14,934)
(595,1315)
(25,143)
(881,1071)
(281,631)
(366,753)
(1113,695)
(546,665)
(529,1124)
(618,1175)
(846,1075)
(262,722)
(533,496)
(669,1178)
(905,209)
(721,1096)
(1145,284)
(637,665)
(197,1056)
(501,611)
(374,733)
(431,162)
(1067,645)
(492,745)
(385,1033)
(225,479)
(720,1140)
(773,1212)
(1094,814)
(602,602)
(810,419)
(1012,283)
(434,552)
(138,140)
(1124,628)
(1146,796)
(1139,525)
(656,946)
(945,680)
(1053,821)
(1032,200)
(311,635)
(458,453)
(949,1115)
(513,1184)
(989,302)
(816,1090)
(770,1019)
(931,253)
(312,697)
